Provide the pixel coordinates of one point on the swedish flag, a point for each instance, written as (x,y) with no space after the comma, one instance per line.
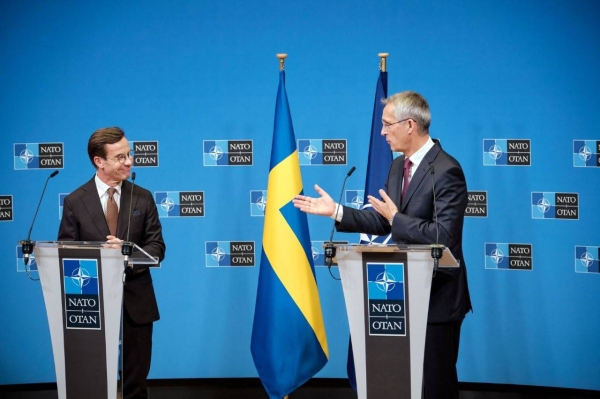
(289,344)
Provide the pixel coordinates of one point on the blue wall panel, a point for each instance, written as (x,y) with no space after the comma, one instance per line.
(184,72)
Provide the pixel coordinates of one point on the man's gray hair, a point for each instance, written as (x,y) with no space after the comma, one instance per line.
(410,104)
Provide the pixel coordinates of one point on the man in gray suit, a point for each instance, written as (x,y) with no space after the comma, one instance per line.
(85,219)
(423,202)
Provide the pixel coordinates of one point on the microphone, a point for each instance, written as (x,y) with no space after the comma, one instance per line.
(127,246)
(437,249)
(27,245)
(329,248)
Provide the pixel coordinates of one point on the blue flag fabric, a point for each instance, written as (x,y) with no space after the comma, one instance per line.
(378,166)
(289,345)
(380,156)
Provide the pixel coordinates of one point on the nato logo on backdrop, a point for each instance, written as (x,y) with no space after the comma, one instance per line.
(258,202)
(587,259)
(32,266)
(179,203)
(503,256)
(318,253)
(145,153)
(547,205)
(506,152)
(322,152)
(477,205)
(81,294)
(6,208)
(38,156)
(386,293)
(227,152)
(229,253)
(354,198)
(586,153)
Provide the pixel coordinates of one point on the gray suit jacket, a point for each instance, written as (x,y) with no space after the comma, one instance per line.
(414,224)
(84,220)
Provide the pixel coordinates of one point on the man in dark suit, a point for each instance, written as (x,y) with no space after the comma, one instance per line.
(418,217)
(85,218)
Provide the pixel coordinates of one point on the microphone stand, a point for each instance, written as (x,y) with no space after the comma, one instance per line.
(27,245)
(437,249)
(126,251)
(329,248)
(127,246)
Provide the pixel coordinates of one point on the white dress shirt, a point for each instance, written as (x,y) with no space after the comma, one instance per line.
(415,158)
(103,193)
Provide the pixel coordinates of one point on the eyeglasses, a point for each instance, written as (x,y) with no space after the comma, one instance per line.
(386,126)
(121,158)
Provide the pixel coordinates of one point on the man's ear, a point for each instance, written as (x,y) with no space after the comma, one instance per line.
(98,162)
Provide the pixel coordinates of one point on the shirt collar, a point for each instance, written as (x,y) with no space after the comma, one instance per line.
(418,156)
(103,187)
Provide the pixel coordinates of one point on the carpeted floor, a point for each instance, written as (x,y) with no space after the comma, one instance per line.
(315,389)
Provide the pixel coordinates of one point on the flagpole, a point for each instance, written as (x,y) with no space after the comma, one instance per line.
(282,58)
(283,368)
(382,65)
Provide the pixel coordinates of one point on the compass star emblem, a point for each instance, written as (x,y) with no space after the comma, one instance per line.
(261,203)
(495,151)
(375,240)
(587,259)
(80,277)
(167,204)
(357,202)
(385,282)
(216,153)
(543,205)
(218,254)
(26,156)
(315,252)
(32,264)
(585,153)
(310,152)
(497,256)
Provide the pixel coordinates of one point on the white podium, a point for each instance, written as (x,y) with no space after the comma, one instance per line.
(386,289)
(82,283)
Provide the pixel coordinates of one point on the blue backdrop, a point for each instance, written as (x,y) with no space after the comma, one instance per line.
(198,80)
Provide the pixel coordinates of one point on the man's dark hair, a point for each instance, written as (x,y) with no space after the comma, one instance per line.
(101,137)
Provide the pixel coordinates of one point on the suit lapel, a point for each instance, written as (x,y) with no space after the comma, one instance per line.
(394,183)
(91,202)
(420,173)
(396,193)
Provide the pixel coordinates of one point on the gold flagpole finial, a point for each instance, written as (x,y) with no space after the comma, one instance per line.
(382,66)
(282,58)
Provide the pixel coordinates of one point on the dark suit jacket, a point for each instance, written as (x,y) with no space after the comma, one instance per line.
(84,220)
(414,224)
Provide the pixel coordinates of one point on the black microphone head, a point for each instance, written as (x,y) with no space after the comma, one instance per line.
(132,176)
(432,169)
(54,173)
(351,171)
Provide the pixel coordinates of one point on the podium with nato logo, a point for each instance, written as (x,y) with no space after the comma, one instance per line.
(386,290)
(82,283)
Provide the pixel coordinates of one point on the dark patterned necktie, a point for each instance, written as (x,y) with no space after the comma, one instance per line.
(112,212)
(405,179)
